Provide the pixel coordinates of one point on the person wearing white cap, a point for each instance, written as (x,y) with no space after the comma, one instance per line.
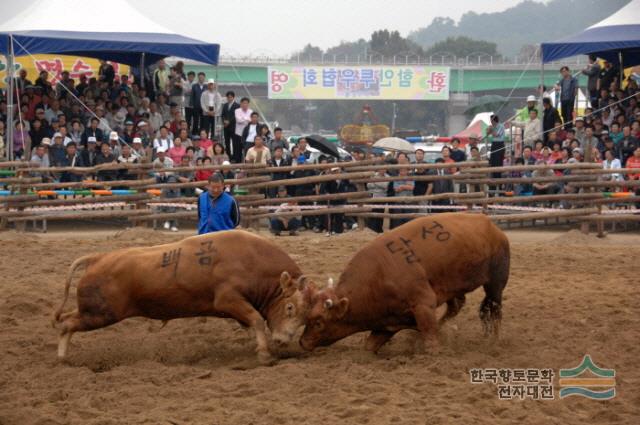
(90,153)
(523,114)
(57,151)
(162,163)
(138,150)
(114,141)
(211,104)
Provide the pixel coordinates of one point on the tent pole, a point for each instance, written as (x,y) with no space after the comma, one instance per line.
(142,84)
(540,107)
(621,70)
(10,105)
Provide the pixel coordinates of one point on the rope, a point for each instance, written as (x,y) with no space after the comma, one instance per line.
(246,88)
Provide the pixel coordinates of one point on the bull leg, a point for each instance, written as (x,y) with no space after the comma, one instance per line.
(424,311)
(78,322)
(491,306)
(454,306)
(238,308)
(377,339)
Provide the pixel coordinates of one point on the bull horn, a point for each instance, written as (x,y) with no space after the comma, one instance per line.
(330,282)
(328,303)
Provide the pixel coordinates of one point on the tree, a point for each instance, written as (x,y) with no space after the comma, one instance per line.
(463,46)
(309,53)
(391,43)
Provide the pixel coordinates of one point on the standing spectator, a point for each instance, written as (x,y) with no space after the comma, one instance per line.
(217,209)
(160,78)
(608,76)
(278,141)
(288,223)
(549,117)
(568,87)
(592,71)
(378,190)
(229,120)
(439,186)
(531,128)
(334,223)
(197,89)
(210,102)
(21,141)
(176,88)
(243,116)
(251,130)
(457,154)
(420,186)
(259,153)
(188,99)
(106,73)
(278,160)
(402,187)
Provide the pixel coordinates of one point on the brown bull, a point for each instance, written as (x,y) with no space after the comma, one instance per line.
(231,274)
(399,279)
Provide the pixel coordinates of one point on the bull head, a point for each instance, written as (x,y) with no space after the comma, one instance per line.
(339,309)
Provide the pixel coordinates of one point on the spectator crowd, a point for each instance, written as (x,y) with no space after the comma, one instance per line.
(176,119)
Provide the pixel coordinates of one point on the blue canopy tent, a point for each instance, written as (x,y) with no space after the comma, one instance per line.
(121,34)
(616,39)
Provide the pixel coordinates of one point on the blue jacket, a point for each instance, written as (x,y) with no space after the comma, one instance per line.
(217,214)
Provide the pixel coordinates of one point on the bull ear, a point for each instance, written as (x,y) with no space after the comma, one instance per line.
(302,282)
(287,284)
(342,307)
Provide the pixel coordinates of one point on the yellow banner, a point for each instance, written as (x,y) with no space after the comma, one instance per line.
(358,82)
(55,64)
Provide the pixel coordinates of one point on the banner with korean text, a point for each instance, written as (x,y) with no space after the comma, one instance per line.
(55,64)
(358,82)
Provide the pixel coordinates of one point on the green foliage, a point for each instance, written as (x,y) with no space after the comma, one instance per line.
(529,22)
(463,46)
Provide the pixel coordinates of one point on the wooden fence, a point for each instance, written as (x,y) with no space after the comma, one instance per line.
(585,197)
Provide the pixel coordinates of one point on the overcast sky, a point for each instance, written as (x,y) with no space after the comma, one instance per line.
(279,27)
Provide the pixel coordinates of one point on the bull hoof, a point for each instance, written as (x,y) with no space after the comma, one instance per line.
(266,359)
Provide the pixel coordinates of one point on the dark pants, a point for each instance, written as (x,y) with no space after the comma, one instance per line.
(593,98)
(277,225)
(395,222)
(496,159)
(209,125)
(334,222)
(236,157)
(567,112)
(189,118)
(375,224)
(197,121)
(228,138)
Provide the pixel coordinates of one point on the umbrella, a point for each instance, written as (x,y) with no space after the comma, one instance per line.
(490,102)
(323,145)
(394,144)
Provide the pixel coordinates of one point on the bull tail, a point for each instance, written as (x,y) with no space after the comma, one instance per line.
(82,261)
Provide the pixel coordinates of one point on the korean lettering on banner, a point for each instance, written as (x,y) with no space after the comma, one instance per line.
(367,77)
(347,77)
(329,77)
(386,77)
(277,79)
(310,77)
(404,77)
(53,67)
(437,81)
(80,68)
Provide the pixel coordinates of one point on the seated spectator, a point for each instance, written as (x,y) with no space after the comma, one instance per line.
(218,154)
(288,223)
(177,151)
(611,163)
(162,166)
(138,150)
(186,176)
(203,175)
(546,187)
(536,154)
(106,157)
(278,141)
(41,159)
(527,156)
(258,153)
(127,157)
(71,159)
(57,152)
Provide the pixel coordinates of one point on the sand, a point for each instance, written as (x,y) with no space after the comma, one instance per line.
(567,297)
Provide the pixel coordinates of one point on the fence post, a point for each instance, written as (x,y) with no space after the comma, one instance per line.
(361,220)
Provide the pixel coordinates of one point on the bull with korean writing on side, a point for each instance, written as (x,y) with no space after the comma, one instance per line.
(233,274)
(398,281)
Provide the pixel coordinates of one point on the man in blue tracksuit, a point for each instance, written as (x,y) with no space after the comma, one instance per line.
(217,210)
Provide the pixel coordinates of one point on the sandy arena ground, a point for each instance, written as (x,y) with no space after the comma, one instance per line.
(568,295)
